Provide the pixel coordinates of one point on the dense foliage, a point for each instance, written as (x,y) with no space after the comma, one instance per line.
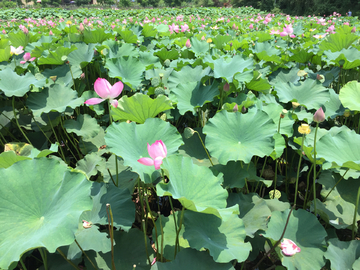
(179,139)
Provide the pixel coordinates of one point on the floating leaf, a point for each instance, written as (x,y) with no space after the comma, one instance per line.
(342,255)
(350,95)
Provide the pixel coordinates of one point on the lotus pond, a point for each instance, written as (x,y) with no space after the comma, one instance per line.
(179,139)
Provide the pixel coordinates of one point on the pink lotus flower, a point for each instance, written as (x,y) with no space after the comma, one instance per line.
(16,51)
(104,89)
(251,26)
(86,224)
(287,31)
(319,116)
(184,28)
(27,57)
(289,248)
(157,151)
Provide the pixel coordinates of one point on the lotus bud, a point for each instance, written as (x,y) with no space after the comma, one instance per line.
(295,105)
(51,33)
(81,27)
(319,77)
(236,108)
(202,38)
(289,248)
(319,116)
(304,129)
(226,87)
(251,55)
(188,44)
(25,30)
(353,30)
(82,76)
(243,109)
(283,113)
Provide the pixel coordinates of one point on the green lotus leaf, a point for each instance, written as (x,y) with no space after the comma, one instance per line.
(63,74)
(236,136)
(194,95)
(129,71)
(89,239)
(195,187)
(84,126)
(338,41)
(129,251)
(254,212)
(117,50)
(306,232)
(199,47)
(226,68)
(147,58)
(91,164)
(164,54)
(339,207)
(286,123)
(134,140)
(4,50)
(128,36)
(82,56)
(341,149)
(49,213)
(9,158)
(140,107)
(258,83)
(14,85)
(310,93)
(349,56)
(19,38)
(301,55)
(342,255)
(266,51)
(192,259)
(284,75)
(56,98)
(236,173)
(95,35)
(125,177)
(149,31)
(333,107)
(223,238)
(187,74)
(350,95)
(168,227)
(121,205)
(221,40)
(93,144)
(55,57)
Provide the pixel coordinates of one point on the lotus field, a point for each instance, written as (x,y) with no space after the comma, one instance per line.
(179,139)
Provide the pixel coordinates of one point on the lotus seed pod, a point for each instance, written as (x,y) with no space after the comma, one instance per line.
(347,113)
(155,81)
(283,113)
(295,105)
(159,91)
(167,62)
(304,129)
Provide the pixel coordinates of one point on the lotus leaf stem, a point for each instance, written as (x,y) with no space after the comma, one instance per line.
(179,229)
(153,220)
(70,262)
(22,264)
(71,141)
(336,184)
(355,214)
(298,170)
(60,149)
(276,164)
(87,257)
(43,257)
(307,186)
(207,153)
(111,232)
(314,182)
(17,122)
(145,240)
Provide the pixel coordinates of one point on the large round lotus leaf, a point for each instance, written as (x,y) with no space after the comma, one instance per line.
(199,46)
(223,238)
(236,136)
(95,35)
(350,95)
(84,126)
(310,93)
(130,142)
(342,255)
(286,123)
(306,232)
(169,235)
(56,98)
(195,187)
(339,207)
(44,199)
(349,57)
(333,107)
(187,74)
(140,107)
(192,259)
(14,85)
(91,164)
(342,149)
(194,95)
(83,55)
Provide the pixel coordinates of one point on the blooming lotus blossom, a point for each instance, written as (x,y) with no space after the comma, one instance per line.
(16,51)
(86,224)
(184,28)
(274,32)
(287,31)
(173,27)
(157,151)
(27,57)
(319,36)
(251,26)
(289,248)
(104,89)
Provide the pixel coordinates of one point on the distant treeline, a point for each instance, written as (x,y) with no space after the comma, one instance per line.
(303,7)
